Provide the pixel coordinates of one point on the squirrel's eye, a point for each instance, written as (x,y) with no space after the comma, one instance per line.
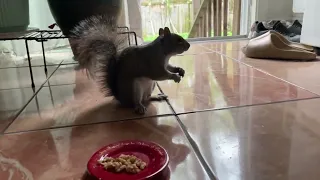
(180,40)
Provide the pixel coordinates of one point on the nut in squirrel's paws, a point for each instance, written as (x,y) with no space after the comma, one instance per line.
(161,97)
(140,109)
(181,72)
(176,78)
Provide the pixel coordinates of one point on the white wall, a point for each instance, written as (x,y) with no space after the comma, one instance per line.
(273,10)
(298,6)
(311,26)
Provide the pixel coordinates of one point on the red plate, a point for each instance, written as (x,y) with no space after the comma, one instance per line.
(153,154)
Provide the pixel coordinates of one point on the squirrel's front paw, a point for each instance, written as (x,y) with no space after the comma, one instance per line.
(140,109)
(181,72)
(176,78)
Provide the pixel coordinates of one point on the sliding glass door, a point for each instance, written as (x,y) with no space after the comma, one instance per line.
(189,18)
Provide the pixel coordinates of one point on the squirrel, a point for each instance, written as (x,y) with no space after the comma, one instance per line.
(129,73)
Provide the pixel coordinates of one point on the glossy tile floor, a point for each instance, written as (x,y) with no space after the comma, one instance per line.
(230,118)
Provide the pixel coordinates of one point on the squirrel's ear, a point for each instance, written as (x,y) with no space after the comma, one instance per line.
(161,32)
(167,31)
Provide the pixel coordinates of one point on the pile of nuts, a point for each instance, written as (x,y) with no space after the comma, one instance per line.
(128,163)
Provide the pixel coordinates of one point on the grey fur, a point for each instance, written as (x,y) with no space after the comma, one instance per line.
(130,72)
(93,38)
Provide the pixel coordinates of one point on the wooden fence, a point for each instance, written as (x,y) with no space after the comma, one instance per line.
(213,17)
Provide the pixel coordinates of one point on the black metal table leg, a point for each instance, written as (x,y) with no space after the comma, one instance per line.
(44,56)
(29,61)
(127,29)
(44,35)
(135,37)
(50,90)
(128,36)
(134,34)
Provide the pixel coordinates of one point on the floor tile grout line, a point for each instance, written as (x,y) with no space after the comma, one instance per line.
(34,95)
(249,105)
(265,72)
(193,54)
(54,85)
(193,144)
(26,87)
(23,87)
(12,67)
(89,124)
(48,65)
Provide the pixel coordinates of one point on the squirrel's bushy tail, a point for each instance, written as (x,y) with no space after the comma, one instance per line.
(97,44)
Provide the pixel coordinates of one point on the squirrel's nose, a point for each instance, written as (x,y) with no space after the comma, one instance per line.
(187,46)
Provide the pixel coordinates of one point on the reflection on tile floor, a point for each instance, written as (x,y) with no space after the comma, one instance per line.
(214,81)
(269,117)
(53,57)
(20,77)
(11,102)
(303,74)
(60,153)
(196,49)
(277,141)
(76,104)
(67,74)
(219,46)
(294,72)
